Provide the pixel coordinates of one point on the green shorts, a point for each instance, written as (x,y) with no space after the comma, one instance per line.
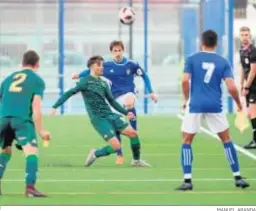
(14,128)
(108,126)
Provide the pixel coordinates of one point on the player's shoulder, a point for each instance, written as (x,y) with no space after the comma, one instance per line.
(201,55)
(132,62)
(84,79)
(35,77)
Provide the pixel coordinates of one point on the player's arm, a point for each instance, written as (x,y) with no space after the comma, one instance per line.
(147,82)
(37,109)
(113,103)
(67,95)
(252,72)
(185,80)
(230,83)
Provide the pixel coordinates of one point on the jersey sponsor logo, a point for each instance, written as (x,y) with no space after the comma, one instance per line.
(21,138)
(128,71)
(139,72)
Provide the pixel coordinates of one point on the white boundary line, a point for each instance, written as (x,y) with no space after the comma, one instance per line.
(80,169)
(238,148)
(127,180)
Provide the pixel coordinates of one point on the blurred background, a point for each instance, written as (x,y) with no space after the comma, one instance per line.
(66,33)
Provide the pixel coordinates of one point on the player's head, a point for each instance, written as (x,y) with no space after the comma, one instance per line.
(31,60)
(117,50)
(245,35)
(209,40)
(95,64)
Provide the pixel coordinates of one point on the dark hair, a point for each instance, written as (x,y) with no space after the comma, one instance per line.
(116,43)
(245,29)
(30,58)
(209,38)
(93,60)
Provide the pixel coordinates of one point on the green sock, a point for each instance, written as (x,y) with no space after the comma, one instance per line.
(4,158)
(105,151)
(31,170)
(135,146)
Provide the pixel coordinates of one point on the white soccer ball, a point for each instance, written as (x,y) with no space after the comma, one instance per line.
(127,15)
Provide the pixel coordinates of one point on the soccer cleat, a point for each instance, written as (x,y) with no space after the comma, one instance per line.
(251,145)
(32,192)
(140,163)
(240,183)
(91,158)
(119,160)
(185,187)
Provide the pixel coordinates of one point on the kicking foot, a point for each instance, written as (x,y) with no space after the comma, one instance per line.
(91,158)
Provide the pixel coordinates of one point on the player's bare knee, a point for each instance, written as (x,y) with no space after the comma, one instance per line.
(114,143)
(29,149)
(129,102)
(224,136)
(132,133)
(187,138)
(7,150)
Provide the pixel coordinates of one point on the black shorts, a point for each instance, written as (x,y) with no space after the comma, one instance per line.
(250,98)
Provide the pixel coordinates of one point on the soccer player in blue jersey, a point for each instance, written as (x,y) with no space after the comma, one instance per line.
(121,72)
(201,84)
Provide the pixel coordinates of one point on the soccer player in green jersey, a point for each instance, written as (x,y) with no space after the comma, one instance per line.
(20,97)
(95,92)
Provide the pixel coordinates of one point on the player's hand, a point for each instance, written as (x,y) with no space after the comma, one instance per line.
(239,107)
(53,111)
(45,135)
(75,76)
(245,92)
(184,106)
(130,116)
(153,97)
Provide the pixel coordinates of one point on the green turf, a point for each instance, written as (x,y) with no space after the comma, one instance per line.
(66,180)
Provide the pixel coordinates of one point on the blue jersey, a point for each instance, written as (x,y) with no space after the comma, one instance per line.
(207,70)
(122,76)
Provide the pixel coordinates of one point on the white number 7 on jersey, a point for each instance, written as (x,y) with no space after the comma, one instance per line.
(209,67)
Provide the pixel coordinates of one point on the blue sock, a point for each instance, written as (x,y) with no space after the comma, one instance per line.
(119,152)
(134,121)
(231,156)
(186,161)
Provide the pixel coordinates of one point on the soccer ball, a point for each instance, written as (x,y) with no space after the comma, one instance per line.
(127,15)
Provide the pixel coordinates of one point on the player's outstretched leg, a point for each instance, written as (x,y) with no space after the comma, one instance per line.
(5,156)
(135,146)
(186,162)
(119,153)
(113,147)
(31,170)
(232,158)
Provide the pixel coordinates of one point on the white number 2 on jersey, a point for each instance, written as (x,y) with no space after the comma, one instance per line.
(209,67)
